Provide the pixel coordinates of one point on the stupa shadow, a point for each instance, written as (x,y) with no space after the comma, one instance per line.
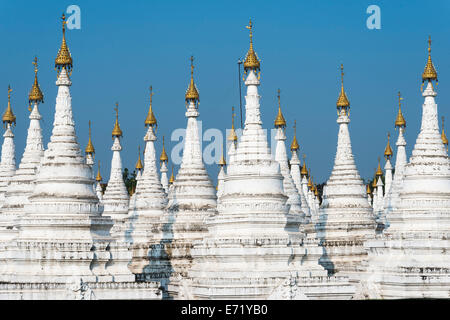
(159,266)
(324,260)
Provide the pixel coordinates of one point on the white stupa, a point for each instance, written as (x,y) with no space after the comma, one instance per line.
(147,213)
(248,253)
(115,198)
(8,159)
(391,195)
(411,259)
(64,249)
(192,198)
(22,183)
(346,217)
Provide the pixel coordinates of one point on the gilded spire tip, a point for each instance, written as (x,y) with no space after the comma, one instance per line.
(35,94)
(251,60)
(163,157)
(192,92)
(117,132)
(63,59)
(8,116)
(90,147)
(150,120)
(280,122)
(294,144)
(429,73)
(342,101)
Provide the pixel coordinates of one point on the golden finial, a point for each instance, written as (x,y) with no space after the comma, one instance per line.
(139,165)
(222,161)
(430,72)
(443,136)
(35,94)
(310,184)
(172,178)
(8,116)
(400,121)
(232,137)
(368,190)
(251,60)
(316,191)
(151,119)
(163,157)
(294,144)
(379,172)
(342,101)
(99,177)
(388,150)
(192,92)
(304,170)
(117,132)
(63,59)
(90,147)
(374,181)
(280,122)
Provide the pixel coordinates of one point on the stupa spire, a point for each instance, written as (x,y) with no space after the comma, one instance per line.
(116,198)
(280,122)
(429,74)
(139,165)
(192,91)
(344,203)
(8,117)
(35,95)
(251,60)
(400,120)
(294,144)
(146,210)
(63,60)
(150,120)
(342,102)
(117,132)
(193,196)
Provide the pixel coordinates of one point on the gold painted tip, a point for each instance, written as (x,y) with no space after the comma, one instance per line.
(280,122)
(163,157)
(379,172)
(139,165)
(63,59)
(150,120)
(192,92)
(342,99)
(429,72)
(251,60)
(117,132)
(8,116)
(90,147)
(99,177)
(388,150)
(35,94)
(172,178)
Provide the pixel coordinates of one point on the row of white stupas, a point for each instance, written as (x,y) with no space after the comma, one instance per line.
(261,234)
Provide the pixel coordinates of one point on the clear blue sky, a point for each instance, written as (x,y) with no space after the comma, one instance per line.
(124,46)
